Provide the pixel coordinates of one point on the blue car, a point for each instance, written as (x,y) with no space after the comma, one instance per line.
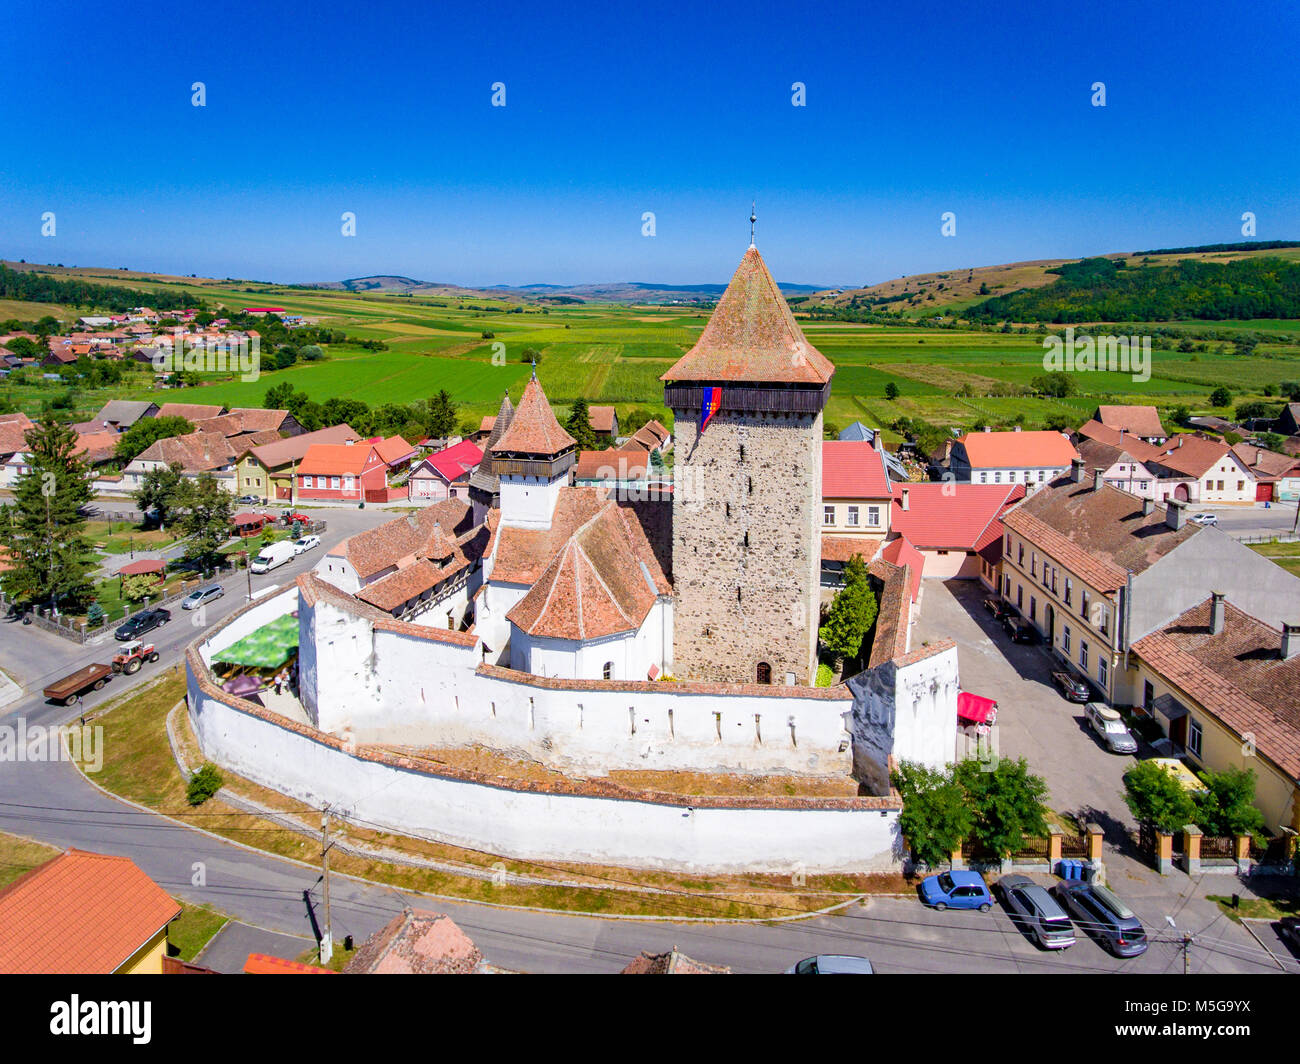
(956,890)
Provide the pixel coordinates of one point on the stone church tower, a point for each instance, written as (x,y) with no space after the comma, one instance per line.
(747,494)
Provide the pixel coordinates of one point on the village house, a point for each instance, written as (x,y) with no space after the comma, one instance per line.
(244,421)
(13,447)
(341,471)
(855,506)
(1094,568)
(85,913)
(196,453)
(445,474)
(1016,457)
(1187,467)
(1225,688)
(270,470)
(191,412)
(650,437)
(1140,421)
(1288,421)
(1277,476)
(603,421)
(956,529)
(626,473)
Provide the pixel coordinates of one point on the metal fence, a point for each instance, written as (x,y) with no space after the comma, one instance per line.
(1074,846)
(1218,847)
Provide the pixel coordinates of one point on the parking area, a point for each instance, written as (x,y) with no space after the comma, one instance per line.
(1034,720)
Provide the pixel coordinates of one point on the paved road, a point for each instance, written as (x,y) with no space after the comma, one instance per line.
(35,658)
(1254,520)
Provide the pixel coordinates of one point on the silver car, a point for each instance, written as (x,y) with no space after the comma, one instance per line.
(1109,725)
(1033,908)
(832,964)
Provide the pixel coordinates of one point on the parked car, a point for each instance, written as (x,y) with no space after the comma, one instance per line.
(1070,685)
(1108,724)
(202,597)
(1032,907)
(997,608)
(141,623)
(69,689)
(958,889)
(1101,914)
(249,500)
(832,964)
(1021,631)
(302,546)
(273,556)
(1205,519)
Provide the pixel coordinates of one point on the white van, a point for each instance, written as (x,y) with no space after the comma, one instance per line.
(271,557)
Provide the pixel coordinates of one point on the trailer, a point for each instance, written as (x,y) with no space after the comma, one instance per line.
(69,689)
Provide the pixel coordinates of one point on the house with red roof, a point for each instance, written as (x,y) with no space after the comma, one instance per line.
(856,497)
(84,913)
(445,474)
(341,471)
(1014,457)
(955,528)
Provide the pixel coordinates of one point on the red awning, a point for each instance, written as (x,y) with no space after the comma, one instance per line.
(976,708)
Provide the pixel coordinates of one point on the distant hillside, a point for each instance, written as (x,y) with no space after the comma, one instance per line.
(638,291)
(1104,289)
(955,290)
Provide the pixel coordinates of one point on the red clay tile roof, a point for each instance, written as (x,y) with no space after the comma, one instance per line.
(428,533)
(264,964)
(96,446)
(523,554)
(13,437)
(144,565)
(197,452)
(951,516)
(80,914)
(1125,442)
(1265,463)
(842,548)
(751,336)
(894,616)
(1238,675)
(902,553)
(649,436)
(1137,420)
(335,459)
(408,582)
(1100,535)
(1040,449)
(612,465)
(283,452)
(533,429)
(671,963)
(1189,454)
(595,586)
(189,411)
(853,469)
(454,462)
(601,418)
(417,942)
(393,449)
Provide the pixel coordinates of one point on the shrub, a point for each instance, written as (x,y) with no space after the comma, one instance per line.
(204,784)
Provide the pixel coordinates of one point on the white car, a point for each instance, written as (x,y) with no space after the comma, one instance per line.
(1107,723)
(1205,519)
(306,543)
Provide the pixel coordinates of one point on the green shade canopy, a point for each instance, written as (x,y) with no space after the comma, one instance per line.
(271,645)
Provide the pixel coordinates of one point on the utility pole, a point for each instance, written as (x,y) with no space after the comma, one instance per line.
(327,937)
(1187,953)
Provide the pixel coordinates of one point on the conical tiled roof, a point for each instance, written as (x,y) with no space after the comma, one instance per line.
(752,337)
(533,429)
(484,478)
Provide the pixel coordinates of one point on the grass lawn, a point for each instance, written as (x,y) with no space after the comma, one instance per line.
(138,764)
(338,961)
(19,856)
(1287,555)
(193,929)
(121,537)
(1257,908)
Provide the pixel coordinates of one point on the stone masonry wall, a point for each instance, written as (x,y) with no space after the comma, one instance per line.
(773,493)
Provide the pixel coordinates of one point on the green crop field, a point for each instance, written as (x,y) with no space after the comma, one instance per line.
(474,347)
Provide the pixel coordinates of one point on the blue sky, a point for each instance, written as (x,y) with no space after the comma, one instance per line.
(683,110)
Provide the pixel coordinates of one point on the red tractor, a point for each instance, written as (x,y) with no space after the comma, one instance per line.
(132,656)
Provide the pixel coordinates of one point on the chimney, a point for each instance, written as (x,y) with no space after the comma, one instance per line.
(1290,641)
(903,503)
(1175,513)
(1216,612)
(988,428)
(1076,470)
(1147,506)
(1097,482)
(1017,429)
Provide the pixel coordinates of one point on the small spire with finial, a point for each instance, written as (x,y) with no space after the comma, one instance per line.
(753,217)
(534,361)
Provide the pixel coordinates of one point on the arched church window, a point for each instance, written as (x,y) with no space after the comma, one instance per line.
(764,672)
(608,671)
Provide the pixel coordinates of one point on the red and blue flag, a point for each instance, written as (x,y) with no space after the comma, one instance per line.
(712,400)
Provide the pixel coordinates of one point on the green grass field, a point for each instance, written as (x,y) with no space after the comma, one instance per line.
(615,354)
